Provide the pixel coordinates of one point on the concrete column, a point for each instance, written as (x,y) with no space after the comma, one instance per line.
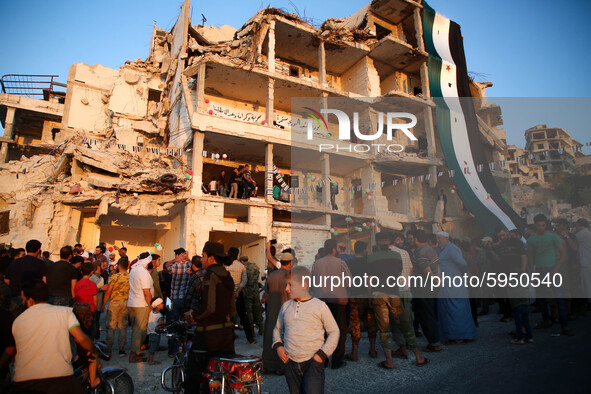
(198,139)
(8,133)
(433,179)
(3,152)
(9,122)
(271,48)
(430,131)
(325,162)
(421,46)
(425,80)
(418,28)
(200,104)
(269,170)
(321,64)
(270,105)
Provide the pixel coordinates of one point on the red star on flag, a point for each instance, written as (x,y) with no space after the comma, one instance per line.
(447,68)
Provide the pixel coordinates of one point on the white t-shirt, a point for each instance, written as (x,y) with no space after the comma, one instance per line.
(153,321)
(42,337)
(139,279)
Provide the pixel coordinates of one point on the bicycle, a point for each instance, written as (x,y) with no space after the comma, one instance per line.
(233,374)
(181,331)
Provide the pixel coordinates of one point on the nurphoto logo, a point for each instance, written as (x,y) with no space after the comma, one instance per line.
(392,124)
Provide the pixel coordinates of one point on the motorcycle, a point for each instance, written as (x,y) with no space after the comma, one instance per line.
(114,380)
(236,374)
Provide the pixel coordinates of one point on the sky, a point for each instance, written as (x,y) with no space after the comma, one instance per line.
(527,48)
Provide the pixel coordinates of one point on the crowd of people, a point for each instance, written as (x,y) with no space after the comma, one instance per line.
(305,326)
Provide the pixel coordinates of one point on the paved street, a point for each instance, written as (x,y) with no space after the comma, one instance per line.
(490,364)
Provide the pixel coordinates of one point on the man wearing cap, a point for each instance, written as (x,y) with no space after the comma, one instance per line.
(179,269)
(276,295)
(238,273)
(141,291)
(214,334)
(453,305)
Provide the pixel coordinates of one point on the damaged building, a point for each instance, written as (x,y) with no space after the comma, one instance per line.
(122,155)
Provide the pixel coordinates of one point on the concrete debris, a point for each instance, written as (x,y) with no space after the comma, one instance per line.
(210,35)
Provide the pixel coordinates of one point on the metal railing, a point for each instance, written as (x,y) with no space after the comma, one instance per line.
(32,86)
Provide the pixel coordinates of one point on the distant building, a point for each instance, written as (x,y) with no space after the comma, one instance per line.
(553,149)
(523,171)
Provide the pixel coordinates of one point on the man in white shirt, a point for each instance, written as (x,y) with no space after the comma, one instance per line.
(141,291)
(42,337)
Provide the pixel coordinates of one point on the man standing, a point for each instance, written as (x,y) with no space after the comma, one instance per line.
(443,198)
(21,270)
(276,295)
(61,279)
(387,263)
(360,305)
(99,281)
(397,245)
(179,270)
(547,253)
(238,273)
(43,361)
(426,264)
(156,261)
(252,298)
(336,298)
(453,303)
(194,296)
(141,291)
(100,256)
(584,237)
(117,316)
(214,335)
(508,256)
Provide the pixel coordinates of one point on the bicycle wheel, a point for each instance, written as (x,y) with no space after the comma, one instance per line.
(122,383)
(177,373)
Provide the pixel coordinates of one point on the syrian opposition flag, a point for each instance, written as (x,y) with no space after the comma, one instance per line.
(458,126)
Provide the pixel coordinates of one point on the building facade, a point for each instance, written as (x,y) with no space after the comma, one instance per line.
(126,155)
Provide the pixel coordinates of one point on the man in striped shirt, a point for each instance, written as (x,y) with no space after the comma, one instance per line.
(179,269)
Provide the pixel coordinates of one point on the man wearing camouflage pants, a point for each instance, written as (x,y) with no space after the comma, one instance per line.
(251,294)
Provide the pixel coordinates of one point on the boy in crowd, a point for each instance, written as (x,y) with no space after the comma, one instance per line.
(299,336)
(86,291)
(154,320)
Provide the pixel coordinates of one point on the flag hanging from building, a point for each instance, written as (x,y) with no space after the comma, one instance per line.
(458,126)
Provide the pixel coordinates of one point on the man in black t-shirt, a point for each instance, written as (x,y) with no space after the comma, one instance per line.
(508,256)
(27,268)
(61,279)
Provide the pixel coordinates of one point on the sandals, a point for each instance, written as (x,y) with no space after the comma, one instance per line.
(382,364)
(427,361)
(398,354)
(432,349)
